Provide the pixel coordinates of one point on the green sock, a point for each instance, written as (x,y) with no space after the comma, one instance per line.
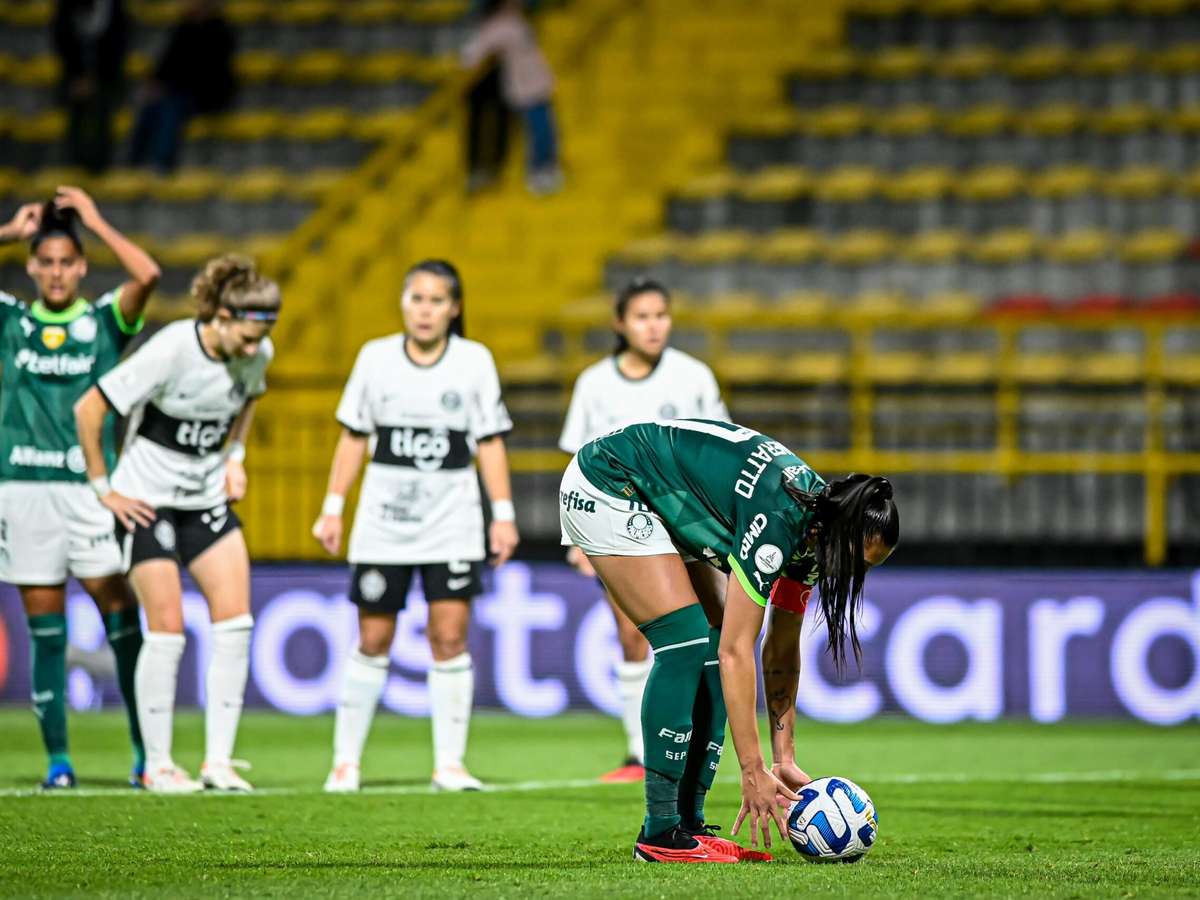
(48,657)
(680,642)
(125,637)
(708,738)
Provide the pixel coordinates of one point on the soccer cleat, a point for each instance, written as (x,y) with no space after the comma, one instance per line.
(137,776)
(455,778)
(705,834)
(222,777)
(61,775)
(343,779)
(170,779)
(677,846)
(630,771)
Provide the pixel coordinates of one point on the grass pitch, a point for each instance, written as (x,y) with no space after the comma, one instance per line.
(1009,809)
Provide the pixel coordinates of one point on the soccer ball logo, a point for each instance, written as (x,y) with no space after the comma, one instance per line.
(833,821)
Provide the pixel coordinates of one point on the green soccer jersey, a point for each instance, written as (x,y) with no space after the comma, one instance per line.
(720,490)
(49,361)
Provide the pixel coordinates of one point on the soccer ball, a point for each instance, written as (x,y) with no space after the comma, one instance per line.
(833,821)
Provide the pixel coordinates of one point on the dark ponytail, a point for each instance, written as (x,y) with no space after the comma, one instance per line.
(443,269)
(57,222)
(637,287)
(846,514)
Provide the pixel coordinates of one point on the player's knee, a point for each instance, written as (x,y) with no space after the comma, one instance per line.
(634,647)
(374,644)
(447,645)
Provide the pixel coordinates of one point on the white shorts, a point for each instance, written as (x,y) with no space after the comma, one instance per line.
(603,525)
(50,528)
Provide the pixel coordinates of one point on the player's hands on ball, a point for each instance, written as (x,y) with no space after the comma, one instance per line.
(578,560)
(328,532)
(764,797)
(235,480)
(129,512)
(502,541)
(791,775)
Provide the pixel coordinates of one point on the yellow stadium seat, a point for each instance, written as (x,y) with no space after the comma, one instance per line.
(650,250)
(1128,119)
(831,64)
(1108,59)
(303,12)
(192,251)
(44,182)
(371,12)
(934,246)
(1041,61)
(801,307)
(1088,7)
(36,71)
(438,11)
(255,185)
(778,183)
(1018,7)
(1177,59)
(1063,181)
(1136,182)
(314,67)
(837,121)
(966,62)
(860,247)
(319,124)
(255,66)
(187,186)
(1154,245)
(1051,119)
(246,12)
(947,8)
(382,124)
(1003,246)
(896,63)
(878,8)
(122,185)
(906,121)
(41,128)
(922,183)
(1085,246)
(382,68)
(29,14)
(710,184)
(788,246)
(715,246)
(979,121)
(1158,7)
(249,125)
(847,184)
(991,183)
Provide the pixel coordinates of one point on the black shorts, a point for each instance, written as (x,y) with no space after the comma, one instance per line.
(385,587)
(177,534)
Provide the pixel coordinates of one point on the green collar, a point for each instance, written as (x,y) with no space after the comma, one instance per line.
(50,317)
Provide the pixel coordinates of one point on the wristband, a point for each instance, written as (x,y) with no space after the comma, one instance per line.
(101,486)
(503,511)
(236,452)
(333,505)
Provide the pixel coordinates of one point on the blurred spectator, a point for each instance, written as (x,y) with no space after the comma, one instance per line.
(91,38)
(526,82)
(488,123)
(193,76)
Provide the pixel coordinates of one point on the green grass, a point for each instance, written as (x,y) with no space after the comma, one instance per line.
(1011,809)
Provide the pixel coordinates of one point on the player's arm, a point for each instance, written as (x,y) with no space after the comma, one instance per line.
(23,225)
(143,271)
(90,412)
(739,682)
(347,463)
(235,452)
(493,467)
(781,677)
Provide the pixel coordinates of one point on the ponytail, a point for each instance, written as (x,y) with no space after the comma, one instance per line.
(57,222)
(234,283)
(637,287)
(446,271)
(846,514)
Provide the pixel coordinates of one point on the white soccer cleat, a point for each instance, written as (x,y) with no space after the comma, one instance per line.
(343,779)
(170,779)
(455,778)
(222,777)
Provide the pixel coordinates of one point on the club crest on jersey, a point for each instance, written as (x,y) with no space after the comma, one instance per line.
(574,501)
(371,585)
(451,400)
(640,526)
(768,558)
(83,329)
(53,336)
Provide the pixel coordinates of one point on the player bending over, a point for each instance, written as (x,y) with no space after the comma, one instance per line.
(424,403)
(51,524)
(653,496)
(641,381)
(189,389)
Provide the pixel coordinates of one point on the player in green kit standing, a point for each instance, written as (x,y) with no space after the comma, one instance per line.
(644,500)
(51,523)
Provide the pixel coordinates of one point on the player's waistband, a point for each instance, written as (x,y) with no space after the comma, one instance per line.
(421,448)
(195,437)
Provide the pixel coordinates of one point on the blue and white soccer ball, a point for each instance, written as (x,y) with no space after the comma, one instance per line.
(833,821)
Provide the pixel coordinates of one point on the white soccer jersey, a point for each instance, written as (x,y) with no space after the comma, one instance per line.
(604,399)
(181,403)
(420,500)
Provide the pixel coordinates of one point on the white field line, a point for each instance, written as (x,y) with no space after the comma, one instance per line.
(1083,777)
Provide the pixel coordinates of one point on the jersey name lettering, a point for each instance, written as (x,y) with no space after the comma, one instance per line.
(754,466)
(426,449)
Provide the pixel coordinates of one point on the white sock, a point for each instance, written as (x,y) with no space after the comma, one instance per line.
(154,680)
(451,693)
(225,686)
(362,685)
(631,684)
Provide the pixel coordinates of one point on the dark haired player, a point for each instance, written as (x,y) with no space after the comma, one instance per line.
(51,523)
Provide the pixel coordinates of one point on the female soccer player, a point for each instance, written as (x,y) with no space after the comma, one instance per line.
(51,524)
(423,402)
(192,386)
(642,381)
(648,495)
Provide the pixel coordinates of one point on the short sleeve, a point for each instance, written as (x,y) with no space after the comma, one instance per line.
(714,406)
(142,375)
(763,543)
(9,306)
(354,409)
(108,311)
(575,428)
(487,415)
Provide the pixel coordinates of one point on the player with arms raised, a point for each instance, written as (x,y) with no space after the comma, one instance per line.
(643,380)
(749,506)
(189,394)
(51,524)
(424,403)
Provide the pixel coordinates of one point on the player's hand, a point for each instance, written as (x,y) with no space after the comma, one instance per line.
(502,541)
(763,799)
(24,223)
(791,775)
(67,197)
(328,532)
(129,512)
(235,480)
(578,560)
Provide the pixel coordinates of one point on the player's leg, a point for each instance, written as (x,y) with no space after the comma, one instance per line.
(654,591)
(452,676)
(632,672)
(379,592)
(221,570)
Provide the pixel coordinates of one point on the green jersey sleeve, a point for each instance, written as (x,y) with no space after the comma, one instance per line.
(112,320)
(9,306)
